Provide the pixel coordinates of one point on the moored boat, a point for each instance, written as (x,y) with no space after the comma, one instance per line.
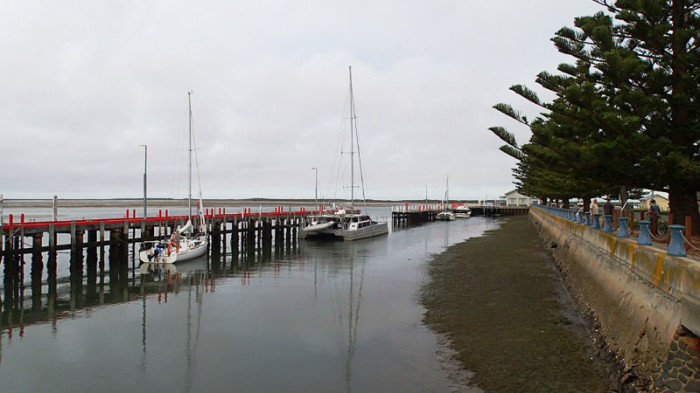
(187,242)
(462,211)
(344,224)
(446,214)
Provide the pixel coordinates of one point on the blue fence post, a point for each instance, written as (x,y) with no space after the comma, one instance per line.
(644,239)
(572,216)
(675,246)
(596,221)
(588,218)
(623,230)
(607,223)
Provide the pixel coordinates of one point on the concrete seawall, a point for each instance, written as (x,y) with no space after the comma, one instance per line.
(643,303)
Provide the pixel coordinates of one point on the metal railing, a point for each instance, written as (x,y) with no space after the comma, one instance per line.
(676,240)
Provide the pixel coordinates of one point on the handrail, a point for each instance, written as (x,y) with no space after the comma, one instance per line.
(570,214)
(246,212)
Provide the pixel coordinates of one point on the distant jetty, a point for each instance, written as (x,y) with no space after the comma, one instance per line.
(170,202)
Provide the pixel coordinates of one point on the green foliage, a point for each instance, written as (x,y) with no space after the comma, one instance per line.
(626,111)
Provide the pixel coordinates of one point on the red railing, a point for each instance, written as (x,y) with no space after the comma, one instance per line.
(208,214)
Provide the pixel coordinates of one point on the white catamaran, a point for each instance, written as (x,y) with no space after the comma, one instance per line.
(344,224)
(187,242)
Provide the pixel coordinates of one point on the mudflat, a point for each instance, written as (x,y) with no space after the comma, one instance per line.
(506,314)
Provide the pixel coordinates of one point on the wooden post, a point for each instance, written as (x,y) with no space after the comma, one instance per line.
(234,236)
(52,238)
(215,239)
(92,247)
(76,259)
(144,233)
(223,234)
(36,245)
(631,219)
(688,231)
(72,236)
(37,268)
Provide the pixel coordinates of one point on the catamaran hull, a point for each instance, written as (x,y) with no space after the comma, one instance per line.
(445,216)
(378,229)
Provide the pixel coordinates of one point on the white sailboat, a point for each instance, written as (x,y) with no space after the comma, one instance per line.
(187,242)
(446,214)
(344,224)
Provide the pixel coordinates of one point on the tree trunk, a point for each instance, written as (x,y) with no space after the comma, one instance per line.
(683,202)
(623,201)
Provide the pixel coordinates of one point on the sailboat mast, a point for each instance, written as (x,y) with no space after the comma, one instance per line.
(189,158)
(447,190)
(352,144)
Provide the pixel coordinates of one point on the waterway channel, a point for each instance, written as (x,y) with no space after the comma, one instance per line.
(308,317)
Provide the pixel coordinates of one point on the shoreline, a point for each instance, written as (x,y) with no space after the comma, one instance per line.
(507,316)
(165,202)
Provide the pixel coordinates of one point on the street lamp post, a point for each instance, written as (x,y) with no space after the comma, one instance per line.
(145,178)
(426,196)
(316,194)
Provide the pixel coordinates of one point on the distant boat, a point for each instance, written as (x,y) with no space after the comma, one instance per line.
(462,211)
(185,243)
(344,224)
(446,214)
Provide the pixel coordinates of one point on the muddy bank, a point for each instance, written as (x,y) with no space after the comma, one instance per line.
(500,302)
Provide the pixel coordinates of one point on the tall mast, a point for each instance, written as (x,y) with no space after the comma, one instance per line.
(189,158)
(352,145)
(447,190)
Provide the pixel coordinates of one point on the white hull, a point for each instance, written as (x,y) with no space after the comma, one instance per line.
(445,216)
(189,249)
(462,212)
(344,227)
(343,234)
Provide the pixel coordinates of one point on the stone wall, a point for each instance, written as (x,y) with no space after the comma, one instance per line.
(635,298)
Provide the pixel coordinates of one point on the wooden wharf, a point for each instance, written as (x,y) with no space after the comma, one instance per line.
(497,211)
(418,214)
(245,228)
(99,264)
(408,215)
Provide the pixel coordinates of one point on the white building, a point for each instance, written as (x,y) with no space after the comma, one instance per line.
(514,198)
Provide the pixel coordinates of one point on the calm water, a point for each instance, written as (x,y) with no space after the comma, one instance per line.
(311,317)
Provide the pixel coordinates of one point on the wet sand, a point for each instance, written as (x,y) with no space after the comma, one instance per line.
(502,309)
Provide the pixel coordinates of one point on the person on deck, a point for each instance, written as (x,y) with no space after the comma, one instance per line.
(608,207)
(653,212)
(594,208)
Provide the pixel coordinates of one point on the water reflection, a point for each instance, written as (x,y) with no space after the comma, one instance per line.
(306,317)
(108,275)
(196,278)
(341,261)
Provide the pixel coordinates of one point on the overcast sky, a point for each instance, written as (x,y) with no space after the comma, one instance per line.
(84,83)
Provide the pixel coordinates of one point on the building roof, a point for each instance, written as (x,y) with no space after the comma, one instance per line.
(657,195)
(511,192)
